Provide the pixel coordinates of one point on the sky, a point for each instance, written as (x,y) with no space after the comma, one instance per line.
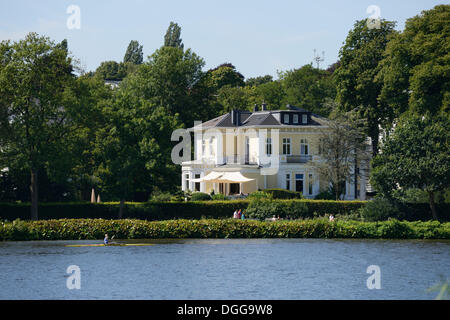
(259,37)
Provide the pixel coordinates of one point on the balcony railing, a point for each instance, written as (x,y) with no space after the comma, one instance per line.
(303,158)
(239,159)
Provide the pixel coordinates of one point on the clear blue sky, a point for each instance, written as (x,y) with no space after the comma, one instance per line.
(258,36)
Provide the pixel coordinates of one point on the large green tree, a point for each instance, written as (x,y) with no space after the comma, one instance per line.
(415,155)
(134,147)
(415,73)
(172,37)
(308,88)
(134,53)
(168,80)
(359,64)
(37,105)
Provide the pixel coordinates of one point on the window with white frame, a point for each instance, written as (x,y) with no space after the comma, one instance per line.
(287,146)
(286,118)
(211,146)
(269,146)
(304,118)
(304,147)
(288,181)
(295,118)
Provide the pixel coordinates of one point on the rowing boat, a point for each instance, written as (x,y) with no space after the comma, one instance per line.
(111,245)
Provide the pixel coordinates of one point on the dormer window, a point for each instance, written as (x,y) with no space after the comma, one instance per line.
(286,118)
(295,119)
(304,118)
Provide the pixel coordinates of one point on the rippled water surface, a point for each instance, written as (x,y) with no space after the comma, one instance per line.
(224,269)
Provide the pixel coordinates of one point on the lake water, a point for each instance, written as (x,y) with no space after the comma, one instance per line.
(224,269)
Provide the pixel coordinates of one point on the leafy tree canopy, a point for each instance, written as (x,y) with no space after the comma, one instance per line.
(415,155)
(134,53)
(415,73)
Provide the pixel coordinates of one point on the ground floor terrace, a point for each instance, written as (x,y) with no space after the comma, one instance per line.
(245,179)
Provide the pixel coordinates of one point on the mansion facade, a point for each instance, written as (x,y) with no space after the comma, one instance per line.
(242,151)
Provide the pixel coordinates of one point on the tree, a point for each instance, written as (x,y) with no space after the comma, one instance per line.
(415,155)
(173,36)
(359,59)
(109,70)
(37,104)
(343,148)
(258,80)
(415,73)
(308,88)
(223,75)
(134,148)
(134,53)
(168,79)
(231,98)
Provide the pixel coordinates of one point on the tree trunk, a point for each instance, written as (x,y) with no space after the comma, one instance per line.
(34,194)
(122,203)
(432,205)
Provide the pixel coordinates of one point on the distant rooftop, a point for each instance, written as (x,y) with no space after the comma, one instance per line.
(263,118)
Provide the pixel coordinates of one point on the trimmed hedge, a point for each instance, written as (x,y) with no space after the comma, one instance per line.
(81,229)
(283,194)
(197,210)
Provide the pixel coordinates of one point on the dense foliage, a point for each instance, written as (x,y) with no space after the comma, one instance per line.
(81,229)
(283,194)
(415,155)
(164,210)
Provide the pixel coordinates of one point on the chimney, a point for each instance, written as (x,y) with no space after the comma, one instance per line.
(235,117)
(264,106)
(255,108)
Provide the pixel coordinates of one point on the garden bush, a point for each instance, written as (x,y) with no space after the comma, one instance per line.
(198,209)
(380,209)
(325,195)
(259,195)
(283,194)
(200,196)
(81,229)
(219,197)
(262,209)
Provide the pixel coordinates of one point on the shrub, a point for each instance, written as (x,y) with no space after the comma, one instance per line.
(380,209)
(159,196)
(325,195)
(283,194)
(219,197)
(259,195)
(80,229)
(200,196)
(262,209)
(195,210)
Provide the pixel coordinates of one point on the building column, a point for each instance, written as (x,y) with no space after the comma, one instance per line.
(202,184)
(183,180)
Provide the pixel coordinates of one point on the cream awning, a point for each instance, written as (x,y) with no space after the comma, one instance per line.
(213,175)
(234,177)
(223,177)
